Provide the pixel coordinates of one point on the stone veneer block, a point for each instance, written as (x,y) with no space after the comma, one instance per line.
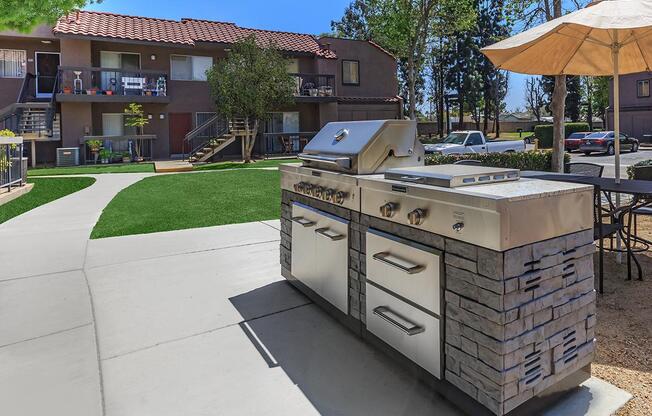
(516,322)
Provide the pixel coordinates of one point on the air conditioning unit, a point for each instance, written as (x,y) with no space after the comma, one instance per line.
(67,156)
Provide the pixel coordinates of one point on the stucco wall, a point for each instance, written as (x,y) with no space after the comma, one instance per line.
(377,69)
(10,87)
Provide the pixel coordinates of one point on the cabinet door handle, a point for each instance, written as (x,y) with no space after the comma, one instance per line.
(402,265)
(330,234)
(410,329)
(303,221)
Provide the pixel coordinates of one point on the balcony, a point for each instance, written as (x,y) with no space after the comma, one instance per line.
(92,84)
(314,87)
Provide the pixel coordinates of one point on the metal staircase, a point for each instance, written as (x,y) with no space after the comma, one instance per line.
(212,137)
(33,120)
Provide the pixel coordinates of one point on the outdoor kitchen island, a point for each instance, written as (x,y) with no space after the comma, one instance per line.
(479,281)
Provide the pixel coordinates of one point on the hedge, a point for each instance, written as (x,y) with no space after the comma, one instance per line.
(543,132)
(530,160)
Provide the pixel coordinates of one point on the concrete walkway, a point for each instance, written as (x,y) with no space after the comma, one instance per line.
(184,323)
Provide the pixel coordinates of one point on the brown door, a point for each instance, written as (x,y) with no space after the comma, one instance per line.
(180,125)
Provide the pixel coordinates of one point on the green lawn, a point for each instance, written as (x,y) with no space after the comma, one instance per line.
(191,200)
(239,165)
(45,190)
(92,169)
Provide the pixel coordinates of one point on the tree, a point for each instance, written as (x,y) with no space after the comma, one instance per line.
(251,82)
(353,24)
(600,97)
(573,103)
(534,97)
(25,15)
(135,117)
(531,12)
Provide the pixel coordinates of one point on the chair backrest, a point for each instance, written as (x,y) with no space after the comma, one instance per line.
(468,162)
(584,169)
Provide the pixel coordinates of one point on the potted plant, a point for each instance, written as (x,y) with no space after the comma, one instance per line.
(126,157)
(109,92)
(67,90)
(94,146)
(105,155)
(641,170)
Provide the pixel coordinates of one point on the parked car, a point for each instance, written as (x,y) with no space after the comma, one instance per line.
(473,141)
(603,142)
(574,141)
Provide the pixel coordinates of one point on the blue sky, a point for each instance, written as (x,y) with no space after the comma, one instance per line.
(306,16)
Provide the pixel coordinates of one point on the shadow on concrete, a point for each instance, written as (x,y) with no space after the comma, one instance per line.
(336,371)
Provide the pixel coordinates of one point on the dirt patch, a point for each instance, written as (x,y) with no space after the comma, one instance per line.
(624,329)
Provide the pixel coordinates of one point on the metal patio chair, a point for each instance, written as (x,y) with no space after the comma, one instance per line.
(584,169)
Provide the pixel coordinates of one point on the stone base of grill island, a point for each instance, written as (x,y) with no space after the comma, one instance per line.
(515,327)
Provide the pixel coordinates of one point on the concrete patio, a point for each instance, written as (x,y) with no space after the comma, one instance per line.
(191,322)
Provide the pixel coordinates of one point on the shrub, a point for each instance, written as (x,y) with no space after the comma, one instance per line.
(531,160)
(642,163)
(543,132)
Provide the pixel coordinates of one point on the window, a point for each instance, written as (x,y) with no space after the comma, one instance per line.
(287,122)
(643,88)
(13,63)
(350,72)
(475,139)
(113,124)
(189,68)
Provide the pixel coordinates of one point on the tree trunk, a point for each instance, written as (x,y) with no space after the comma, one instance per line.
(558,136)
(485,111)
(440,115)
(411,88)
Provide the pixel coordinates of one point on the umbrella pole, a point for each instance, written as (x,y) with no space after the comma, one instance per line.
(615,52)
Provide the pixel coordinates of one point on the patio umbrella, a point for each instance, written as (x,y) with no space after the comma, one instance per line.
(609,37)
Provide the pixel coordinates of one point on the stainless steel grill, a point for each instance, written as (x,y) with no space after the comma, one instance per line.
(364,147)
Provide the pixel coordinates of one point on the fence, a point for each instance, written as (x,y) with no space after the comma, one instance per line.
(13,166)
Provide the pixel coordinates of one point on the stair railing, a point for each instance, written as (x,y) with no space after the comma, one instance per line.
(52,110)
(201,136)
(24,88)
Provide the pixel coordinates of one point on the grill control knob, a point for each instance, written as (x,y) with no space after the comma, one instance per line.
(307,189)
(299,187)
(328,194)
(389,209)
(340,196)
(318,192)
(457,227)
(417,216)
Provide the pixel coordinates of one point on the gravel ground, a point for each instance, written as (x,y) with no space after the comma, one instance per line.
(624,331)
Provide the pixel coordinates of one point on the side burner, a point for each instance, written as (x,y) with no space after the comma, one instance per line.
(452,176)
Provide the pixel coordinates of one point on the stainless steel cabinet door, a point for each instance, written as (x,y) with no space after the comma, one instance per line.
(304,223)
(320,250)
(409,330)
(406,268)
(332,266)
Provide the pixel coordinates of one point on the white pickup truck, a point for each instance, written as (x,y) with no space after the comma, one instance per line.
(472,141)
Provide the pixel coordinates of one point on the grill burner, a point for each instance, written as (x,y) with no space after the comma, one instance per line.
(452,176)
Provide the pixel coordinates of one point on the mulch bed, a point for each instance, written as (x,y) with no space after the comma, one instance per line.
(624,329)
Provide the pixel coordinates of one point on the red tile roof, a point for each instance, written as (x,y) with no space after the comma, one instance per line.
(221,32)
(186,31)
(116,26)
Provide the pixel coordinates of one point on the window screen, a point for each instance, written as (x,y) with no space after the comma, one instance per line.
(190,68)
(12,63)
(643,88)
(351,72)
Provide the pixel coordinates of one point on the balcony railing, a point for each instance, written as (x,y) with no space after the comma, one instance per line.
(314,85)
(109,81)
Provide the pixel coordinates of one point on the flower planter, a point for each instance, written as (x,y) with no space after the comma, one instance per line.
(643,173)
(67,90)
(109,92)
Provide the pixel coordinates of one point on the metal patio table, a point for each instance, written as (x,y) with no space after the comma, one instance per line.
(641,193)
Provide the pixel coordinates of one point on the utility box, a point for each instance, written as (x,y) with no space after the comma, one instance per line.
(67,156)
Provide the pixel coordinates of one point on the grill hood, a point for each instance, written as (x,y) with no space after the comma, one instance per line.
(364,147)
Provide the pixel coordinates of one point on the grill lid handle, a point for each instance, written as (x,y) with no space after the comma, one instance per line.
(341,162)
